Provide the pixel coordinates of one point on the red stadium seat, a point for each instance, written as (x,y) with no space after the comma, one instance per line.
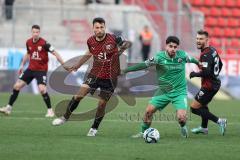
(219,3)
(233,22)
(228,32)
(231,51)
(150,7)
(226,12)
(210,21)
(230,3)
(215,42)
(214,11)
(218,32)
(208,2)
(209,30)
(236,12)
(238,33)
(205,10)
(235,43)
(238,3)
(197,2)
(222,22)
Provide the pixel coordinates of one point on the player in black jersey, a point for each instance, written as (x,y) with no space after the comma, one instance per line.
(210,68)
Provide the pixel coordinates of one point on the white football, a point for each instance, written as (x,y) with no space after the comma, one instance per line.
(151,135)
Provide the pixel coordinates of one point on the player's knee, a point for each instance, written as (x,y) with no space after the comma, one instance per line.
(16,87)
(182,117)
(42,90)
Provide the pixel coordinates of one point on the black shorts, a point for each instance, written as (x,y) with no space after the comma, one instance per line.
(205,96)
(106,86)
(28,75)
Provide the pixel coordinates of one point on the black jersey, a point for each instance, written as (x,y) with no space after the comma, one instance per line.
(210,68)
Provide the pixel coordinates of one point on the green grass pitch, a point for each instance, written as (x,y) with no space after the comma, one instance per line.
(27,134)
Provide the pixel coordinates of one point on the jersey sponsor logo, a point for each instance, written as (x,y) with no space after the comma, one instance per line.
(35,56)
(151,59)
(180,60)
(39,48)
(204,64)
(200,94)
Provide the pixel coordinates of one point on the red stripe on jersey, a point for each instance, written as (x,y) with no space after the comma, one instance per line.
(38,55)
(105,57)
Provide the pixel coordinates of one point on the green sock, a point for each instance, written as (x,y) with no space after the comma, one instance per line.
(144,127)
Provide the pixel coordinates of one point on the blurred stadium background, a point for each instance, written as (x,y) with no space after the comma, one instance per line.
(66,24)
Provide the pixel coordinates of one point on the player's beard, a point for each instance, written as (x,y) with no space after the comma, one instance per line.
(35,39)
(100,35)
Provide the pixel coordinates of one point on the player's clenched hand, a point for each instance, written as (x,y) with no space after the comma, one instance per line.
(192,75)
(125,45)
(20,70)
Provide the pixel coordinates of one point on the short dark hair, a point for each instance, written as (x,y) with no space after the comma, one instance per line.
(35,26)
(172,39)
(98,20)
(202,32)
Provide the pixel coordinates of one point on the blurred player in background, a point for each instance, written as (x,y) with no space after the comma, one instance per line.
(37,54)
(172,83)
(105,49)
(146,38)
(211,66)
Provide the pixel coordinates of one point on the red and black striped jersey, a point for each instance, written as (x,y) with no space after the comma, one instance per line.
(106,63)
(211,67)
(38,52)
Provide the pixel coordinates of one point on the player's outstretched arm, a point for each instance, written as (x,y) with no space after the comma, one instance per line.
(193,60)
(58,57)
(136,67)
(148,63)
(82,60)
(60,60)
(24,61)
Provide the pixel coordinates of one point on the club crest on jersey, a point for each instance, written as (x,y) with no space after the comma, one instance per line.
(180,60)
(201,93)
(39,48)
(109,47)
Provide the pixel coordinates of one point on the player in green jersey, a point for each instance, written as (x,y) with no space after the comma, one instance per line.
(170,68)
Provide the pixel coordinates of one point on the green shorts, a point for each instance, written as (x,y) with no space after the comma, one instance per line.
(161,101)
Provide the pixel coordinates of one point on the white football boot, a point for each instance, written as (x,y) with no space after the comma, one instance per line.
(6,110)
(59,121)
(92,132)
(50,113)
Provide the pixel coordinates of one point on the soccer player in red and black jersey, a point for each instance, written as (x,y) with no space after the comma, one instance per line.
(37,54)
(210,68)
(105,49)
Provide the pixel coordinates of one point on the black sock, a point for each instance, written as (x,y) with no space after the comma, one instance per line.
(13,97)
(203,113)
(211,116)
(204,117)
(72,105)
(97,122)
(47,100)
